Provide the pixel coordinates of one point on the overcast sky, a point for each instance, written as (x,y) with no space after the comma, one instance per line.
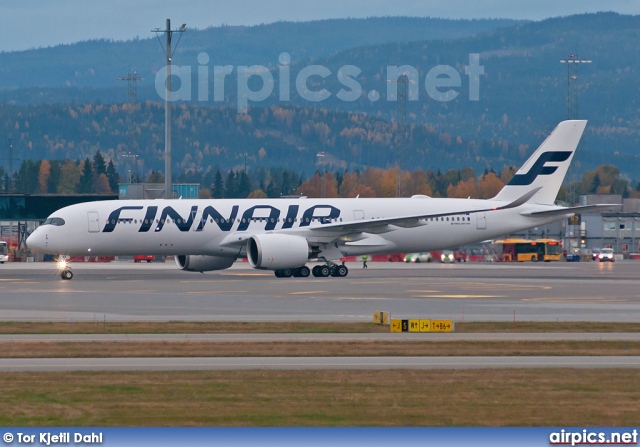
(37,23)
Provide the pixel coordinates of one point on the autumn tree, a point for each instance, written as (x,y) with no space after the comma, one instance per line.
(43,177)
(70,174)
(101,185)
(489,185)
(320,185)
(257,194)
(463,190)
(155,177)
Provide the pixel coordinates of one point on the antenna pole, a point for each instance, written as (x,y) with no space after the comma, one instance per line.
(168,190)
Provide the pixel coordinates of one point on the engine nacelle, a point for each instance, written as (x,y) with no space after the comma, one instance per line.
(277,251)
(197,263)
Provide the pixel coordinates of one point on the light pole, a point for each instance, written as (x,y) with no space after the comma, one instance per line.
(319,160)
(168,192)
(572,78)
(572,102)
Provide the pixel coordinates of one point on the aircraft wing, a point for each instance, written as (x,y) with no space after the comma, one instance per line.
(376,225)
(330,232)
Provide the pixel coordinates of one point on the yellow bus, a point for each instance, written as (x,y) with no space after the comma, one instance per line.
(524,250)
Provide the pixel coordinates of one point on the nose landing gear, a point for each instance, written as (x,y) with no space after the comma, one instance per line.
(66,274)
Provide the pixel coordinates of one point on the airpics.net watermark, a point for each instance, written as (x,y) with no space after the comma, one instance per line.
(440,82)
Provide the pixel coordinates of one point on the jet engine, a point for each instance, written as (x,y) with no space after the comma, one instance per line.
(277,251)
(197,263)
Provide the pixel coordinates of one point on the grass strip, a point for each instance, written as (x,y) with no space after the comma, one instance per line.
(38,349)
(537,397)
(181,327)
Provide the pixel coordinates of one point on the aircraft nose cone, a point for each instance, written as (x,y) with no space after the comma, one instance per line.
(36,240)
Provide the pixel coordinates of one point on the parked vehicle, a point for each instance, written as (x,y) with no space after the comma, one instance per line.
(141,258)
(606,254)
(447,256)
(4,252)
(418,257)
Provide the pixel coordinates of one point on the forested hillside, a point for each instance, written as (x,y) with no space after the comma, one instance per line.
(300,139)
(96,64)
(522,96)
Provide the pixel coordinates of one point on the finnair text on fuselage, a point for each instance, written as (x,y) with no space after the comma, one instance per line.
(317,213)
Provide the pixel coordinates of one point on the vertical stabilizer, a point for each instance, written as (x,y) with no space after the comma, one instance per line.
(547,167)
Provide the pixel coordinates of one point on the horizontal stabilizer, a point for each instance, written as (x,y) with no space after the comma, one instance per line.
(571,210)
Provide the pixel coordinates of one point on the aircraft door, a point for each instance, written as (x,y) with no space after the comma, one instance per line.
(94,221)
(481,222)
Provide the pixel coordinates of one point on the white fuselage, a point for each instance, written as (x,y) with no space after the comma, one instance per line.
(209,227)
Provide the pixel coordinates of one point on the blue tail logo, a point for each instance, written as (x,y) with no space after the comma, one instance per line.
(539,168)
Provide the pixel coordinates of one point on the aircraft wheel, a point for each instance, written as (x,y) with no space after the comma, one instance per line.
(66,274)
(278,273)
(534,259)
(342,271)
(304,271)
(286,273)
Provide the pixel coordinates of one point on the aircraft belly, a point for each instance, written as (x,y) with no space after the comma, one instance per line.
(128,243)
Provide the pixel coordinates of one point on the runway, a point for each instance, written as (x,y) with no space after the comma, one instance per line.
(311,363)
(124,291)
(308,338)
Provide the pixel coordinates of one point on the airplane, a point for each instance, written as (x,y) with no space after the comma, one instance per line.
(282,235)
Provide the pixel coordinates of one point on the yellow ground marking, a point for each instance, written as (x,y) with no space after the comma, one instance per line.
(247,274)
(216,292)
(490,285)
(307,292)
(576,300)
(464,297)
(127,280)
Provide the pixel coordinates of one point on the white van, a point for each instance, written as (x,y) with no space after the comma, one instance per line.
(4,252)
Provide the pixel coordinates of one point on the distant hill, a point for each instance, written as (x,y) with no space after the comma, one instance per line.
(522,92)
(97,63)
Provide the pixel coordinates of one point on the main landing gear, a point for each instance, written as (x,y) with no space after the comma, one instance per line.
(319,271)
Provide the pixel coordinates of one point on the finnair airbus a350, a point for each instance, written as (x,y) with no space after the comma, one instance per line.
(284,234)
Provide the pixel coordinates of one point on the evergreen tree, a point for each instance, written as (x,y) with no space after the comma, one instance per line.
(99,165)
(208,178)
(112,176)
(286,188)
(244,185)
(54,177)
(218,185)
(86,180)
(275,186)
(26,179)
(230,187)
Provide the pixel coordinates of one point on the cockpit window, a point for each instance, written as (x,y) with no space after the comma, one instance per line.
(55,221)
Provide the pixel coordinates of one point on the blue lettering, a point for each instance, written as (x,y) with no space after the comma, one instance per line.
(114,217)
